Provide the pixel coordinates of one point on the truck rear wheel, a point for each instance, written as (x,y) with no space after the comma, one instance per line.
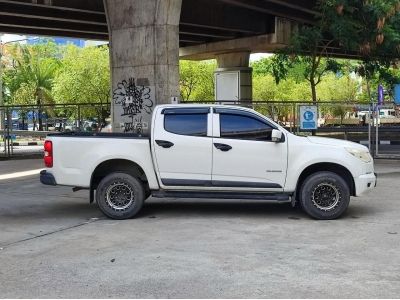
(324,195)
(120,195)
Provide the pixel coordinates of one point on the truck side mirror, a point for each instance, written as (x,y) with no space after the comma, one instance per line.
(276,136)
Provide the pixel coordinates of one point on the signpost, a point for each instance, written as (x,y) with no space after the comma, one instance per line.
(381,95)
(308,117)
(397,94)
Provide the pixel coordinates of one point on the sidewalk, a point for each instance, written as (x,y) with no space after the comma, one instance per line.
(387,166)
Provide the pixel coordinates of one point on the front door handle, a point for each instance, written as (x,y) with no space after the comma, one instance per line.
(222,147)
(164,144)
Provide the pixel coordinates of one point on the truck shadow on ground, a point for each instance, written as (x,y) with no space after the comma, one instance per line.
(154,208)
(231,208)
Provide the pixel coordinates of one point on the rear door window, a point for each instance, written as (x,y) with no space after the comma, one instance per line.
(186,124)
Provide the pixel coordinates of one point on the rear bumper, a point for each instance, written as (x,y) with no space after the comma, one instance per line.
(365,183)
(47,178)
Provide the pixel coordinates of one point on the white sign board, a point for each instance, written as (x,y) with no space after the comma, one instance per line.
(308,117)
(227,86)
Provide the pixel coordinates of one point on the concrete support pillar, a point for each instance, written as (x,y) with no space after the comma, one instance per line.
(233,78)
(144,51)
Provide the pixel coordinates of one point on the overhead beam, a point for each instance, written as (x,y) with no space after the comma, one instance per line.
(212,33)
(303,6)
(218,15)
(52,25)
(272,9)
(253,44)
(91,5)
(220,27)
(61,6)
(261,43)
(45,12)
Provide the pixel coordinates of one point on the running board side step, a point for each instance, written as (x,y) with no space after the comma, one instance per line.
(221,195)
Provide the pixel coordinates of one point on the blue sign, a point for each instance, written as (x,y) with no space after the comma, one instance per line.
(308,117)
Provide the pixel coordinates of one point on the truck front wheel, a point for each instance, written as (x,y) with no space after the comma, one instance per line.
(324,195)
(120,195)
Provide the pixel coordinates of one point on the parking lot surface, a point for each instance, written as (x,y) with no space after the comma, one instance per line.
(54,244)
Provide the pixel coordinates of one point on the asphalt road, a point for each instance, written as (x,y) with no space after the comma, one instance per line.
(54,244)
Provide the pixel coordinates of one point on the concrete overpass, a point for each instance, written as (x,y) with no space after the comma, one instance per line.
(148,37)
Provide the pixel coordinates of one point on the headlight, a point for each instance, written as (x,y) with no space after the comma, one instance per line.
(360,154)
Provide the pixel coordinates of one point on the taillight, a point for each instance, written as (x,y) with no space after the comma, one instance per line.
(48,154)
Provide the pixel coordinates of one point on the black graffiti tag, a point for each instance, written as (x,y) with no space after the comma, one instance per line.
(135,100)
(134,125)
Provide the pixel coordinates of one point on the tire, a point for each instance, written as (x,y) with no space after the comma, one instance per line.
(324,196)
(120,196)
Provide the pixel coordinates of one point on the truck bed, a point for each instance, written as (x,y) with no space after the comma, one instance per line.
(78,154)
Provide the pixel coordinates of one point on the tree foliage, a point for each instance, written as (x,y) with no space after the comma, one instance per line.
(30,80)
(197,80)
(84,77)
(369,29)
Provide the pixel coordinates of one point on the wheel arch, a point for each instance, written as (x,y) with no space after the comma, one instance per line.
(330,167)
(116,165)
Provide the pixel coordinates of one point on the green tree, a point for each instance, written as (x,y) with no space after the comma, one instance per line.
(84,77)
(197,80)
(369,29)
(24,96)
(266,89)
(314,65)
(30,80)
(261,67)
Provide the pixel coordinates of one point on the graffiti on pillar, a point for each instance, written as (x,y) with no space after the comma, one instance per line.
(135,101)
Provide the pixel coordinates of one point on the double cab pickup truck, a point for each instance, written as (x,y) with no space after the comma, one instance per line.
(209,151)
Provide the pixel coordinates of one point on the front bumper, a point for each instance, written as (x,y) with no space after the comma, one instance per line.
(365,183)
(47,178)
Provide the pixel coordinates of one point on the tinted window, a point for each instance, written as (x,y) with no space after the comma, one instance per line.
(245,128)
(186,124)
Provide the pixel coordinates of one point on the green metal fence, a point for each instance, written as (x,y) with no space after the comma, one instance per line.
(24,128)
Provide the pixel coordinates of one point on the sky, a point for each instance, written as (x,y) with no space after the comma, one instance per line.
(5,38)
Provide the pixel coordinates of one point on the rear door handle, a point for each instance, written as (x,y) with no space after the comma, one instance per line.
(164,144)
(222,147)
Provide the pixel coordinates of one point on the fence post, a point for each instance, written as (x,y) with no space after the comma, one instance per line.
(298,119)
(9,123)
(369,128)
(2,119)
(294,119)
(79,117)
(377,130)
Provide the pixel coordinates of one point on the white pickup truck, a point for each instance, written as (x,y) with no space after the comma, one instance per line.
(210,151)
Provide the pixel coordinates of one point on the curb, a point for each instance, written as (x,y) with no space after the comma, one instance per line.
(27,144)
(380,142)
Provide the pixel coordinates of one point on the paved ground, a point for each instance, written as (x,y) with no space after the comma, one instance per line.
(12,166)
(54,244)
